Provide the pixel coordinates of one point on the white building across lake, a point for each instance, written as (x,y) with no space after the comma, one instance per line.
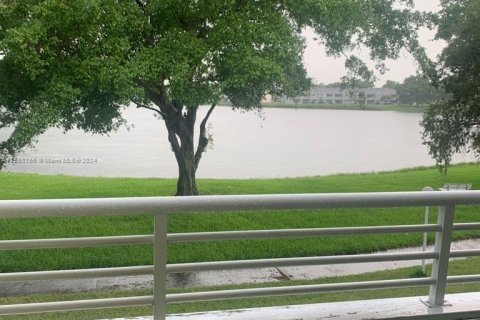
(336,95)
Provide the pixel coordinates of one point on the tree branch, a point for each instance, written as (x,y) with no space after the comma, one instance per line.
(172,138)
(140,105)
(156,95)
(202,139)
(140,4)
(470,124)
(162,114)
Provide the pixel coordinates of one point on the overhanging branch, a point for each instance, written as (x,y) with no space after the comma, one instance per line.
(470,124)
(157,95)
(140,4)
(139,105)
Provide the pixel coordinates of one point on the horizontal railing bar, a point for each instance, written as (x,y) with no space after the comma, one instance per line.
(207,236)
(74,242)
(214,265)
(303,261)
(77,273)
(293,290)
(283,233)
(463,279)
(466,226)
(164,205)
(464,253)
(224,294)
(75,305)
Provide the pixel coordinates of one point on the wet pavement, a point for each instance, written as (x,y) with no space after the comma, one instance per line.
(222,277)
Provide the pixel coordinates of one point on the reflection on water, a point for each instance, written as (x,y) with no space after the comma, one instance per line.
(282,143)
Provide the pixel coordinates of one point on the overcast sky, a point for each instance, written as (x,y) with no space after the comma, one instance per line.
(325,69)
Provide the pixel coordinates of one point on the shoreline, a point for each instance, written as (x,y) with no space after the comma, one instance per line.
(355,107)
(5,171)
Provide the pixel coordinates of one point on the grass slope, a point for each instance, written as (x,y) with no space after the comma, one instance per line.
(28,186)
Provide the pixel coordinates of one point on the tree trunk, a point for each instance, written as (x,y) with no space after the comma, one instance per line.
(187,159)
(186,184)
(180,128)
(181,137)
(180,123)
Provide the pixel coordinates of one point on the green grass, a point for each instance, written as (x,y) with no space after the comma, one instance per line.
(459,267)
(28,186)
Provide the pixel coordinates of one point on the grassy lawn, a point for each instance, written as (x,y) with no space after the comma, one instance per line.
(28,186)
(468,266)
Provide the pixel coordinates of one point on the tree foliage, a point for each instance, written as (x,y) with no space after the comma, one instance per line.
(453,125)
(358,83)
(359,76)
(390,84)
(77,63)
(418,90)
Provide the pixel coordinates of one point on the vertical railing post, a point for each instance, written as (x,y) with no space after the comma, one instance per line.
(425,234)
(160,268)
(443,240)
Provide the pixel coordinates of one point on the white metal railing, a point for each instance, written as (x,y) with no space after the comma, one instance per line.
(162,206)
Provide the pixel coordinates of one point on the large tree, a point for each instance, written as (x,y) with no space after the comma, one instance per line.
(77,63)
(359,77)
(418,90)
(453,125)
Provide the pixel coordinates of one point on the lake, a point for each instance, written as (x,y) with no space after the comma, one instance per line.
(277,143)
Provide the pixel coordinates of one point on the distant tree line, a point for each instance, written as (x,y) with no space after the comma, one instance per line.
(415,90)
(358,84)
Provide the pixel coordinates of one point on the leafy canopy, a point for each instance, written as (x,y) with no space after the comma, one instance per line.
(416,90)
(454,124)
(77,63)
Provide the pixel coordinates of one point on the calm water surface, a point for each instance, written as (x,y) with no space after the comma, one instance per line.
(280,143)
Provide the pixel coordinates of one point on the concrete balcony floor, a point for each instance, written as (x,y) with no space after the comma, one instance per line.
(460,306)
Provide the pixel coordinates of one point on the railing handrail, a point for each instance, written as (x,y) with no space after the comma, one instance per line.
(213,203)
(162,206)
(74,242)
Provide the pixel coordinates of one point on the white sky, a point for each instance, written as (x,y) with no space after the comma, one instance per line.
(324,69)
